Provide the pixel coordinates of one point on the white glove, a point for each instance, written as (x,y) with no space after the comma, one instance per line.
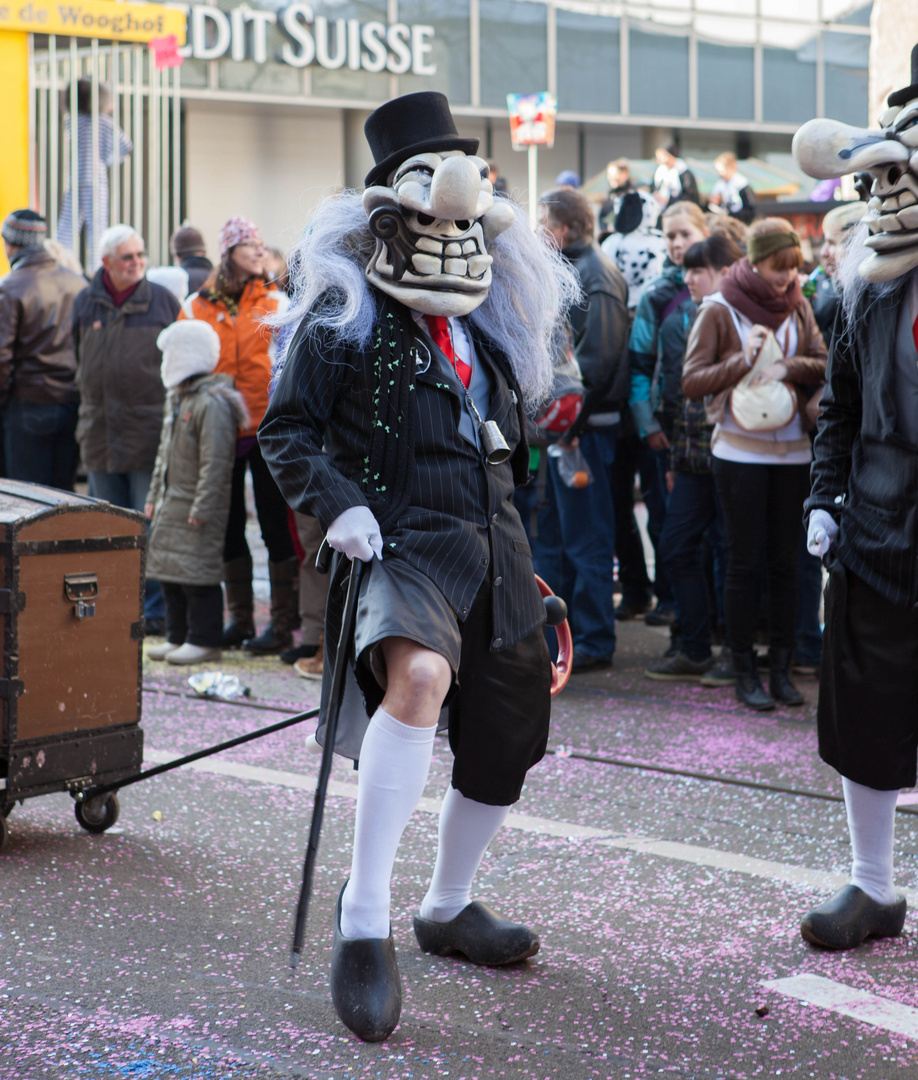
(356,534)
(821,532)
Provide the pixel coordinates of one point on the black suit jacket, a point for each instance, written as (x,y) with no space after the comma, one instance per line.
(460,524)
(865,473)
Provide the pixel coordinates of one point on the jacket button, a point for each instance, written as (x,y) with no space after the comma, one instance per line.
(497,581)
(497,642)
(463,611)
(494,519)
(484,561)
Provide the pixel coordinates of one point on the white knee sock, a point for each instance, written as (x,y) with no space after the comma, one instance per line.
(466,829)
(872,826)
(394,762)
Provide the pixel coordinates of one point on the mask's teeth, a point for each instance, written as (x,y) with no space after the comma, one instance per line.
(428,244)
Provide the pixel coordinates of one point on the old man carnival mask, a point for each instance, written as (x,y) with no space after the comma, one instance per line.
(431,208)
(826,149)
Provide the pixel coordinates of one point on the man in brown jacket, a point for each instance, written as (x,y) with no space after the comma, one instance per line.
(37,363)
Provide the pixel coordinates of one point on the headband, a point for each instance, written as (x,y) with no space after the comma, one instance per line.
(760,247)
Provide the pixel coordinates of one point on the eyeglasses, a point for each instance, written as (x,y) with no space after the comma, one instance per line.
(140,256)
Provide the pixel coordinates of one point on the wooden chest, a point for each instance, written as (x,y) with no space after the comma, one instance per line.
(71,623)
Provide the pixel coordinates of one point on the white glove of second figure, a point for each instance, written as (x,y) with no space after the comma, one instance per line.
(821,532)
(356,534)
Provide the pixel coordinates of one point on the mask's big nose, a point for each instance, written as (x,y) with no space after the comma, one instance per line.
(454,190)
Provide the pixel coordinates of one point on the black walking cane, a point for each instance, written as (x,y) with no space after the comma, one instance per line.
(331,725)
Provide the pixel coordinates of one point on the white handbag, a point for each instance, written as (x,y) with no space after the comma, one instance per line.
(765,406)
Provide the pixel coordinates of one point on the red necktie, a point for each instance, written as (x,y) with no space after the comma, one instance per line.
(915,332)
(439,331)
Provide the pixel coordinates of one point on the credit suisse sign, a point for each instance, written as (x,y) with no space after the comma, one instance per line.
(310,38)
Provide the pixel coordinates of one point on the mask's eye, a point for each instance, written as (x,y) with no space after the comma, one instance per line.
(417,167)
(908,119)
(425,219)
(485,172)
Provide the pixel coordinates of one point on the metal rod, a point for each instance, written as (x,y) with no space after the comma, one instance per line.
(95,792)
(92,226)
(335,697)
(154,192)
(32,125)
(127,212)
(115,181)
(54,135)
(138,221)
(166,160)
(74,150)
(176,151)
(43,140)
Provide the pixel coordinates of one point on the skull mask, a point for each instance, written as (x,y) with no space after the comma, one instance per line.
(431,208)
(826,149)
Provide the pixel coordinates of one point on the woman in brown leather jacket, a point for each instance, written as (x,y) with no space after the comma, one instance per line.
(762,477)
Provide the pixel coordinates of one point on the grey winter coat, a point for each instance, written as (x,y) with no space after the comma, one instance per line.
(191,479)
(121,392)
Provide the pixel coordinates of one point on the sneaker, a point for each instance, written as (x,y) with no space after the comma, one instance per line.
(585,663)
(630,609)
(678,668)
(660,616)
(160,652)
(310,667)
(721,673)
(298,652)
(193,654)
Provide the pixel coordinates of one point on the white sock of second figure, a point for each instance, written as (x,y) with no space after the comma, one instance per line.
(466,829)
(872,826)
(394,763)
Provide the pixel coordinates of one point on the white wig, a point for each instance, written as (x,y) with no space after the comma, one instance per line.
(531,291)
(855,290)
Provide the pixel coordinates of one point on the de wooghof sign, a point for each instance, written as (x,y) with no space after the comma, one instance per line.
(310,38)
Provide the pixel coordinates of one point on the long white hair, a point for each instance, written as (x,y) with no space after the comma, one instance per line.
(523,314)
(857,294)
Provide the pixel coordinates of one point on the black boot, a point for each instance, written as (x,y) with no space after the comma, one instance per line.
(285,614)
(240,602)
(749,689)
(782,689)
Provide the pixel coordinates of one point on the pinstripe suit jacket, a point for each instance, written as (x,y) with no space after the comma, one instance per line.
(864,471)
(460,525)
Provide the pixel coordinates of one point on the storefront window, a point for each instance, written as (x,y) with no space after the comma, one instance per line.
(451,50)
(658,74)
(788,87)
(514,50)
(341,81)
(589,63)
(726,82)
(846,58)
(193,74)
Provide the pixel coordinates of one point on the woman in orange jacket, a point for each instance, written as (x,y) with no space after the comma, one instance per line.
(235,300)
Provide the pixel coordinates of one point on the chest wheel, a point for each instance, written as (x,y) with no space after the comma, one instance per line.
(97,815)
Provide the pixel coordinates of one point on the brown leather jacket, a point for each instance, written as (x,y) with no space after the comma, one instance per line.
(37,361)
(715,362)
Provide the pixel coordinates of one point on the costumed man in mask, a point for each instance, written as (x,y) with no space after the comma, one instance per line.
(427,312)
(862,513)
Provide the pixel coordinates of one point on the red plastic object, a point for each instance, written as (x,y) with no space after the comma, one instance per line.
(561,670)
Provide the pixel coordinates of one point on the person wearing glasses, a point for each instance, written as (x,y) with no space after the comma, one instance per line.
(235,300)
(116,321)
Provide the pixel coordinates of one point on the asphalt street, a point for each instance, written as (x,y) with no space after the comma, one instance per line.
(665,850)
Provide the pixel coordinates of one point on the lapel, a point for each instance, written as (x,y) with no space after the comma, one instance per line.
(876,338)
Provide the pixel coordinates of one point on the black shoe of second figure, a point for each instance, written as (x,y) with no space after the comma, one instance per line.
(366,986)
(479,934)
(850,917)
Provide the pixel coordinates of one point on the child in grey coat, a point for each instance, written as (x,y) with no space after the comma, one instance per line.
(189,494)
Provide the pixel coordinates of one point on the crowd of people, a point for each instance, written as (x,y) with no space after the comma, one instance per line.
(155,381)
(677,306)
(690,319)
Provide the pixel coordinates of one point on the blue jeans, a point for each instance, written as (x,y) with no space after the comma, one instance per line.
(587,520)
(39,443)
(129,489)
(693,511)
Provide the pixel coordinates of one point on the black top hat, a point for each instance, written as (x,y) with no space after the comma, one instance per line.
(909,93)
(412,124)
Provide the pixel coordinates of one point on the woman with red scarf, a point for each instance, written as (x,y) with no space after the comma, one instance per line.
(762,476)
